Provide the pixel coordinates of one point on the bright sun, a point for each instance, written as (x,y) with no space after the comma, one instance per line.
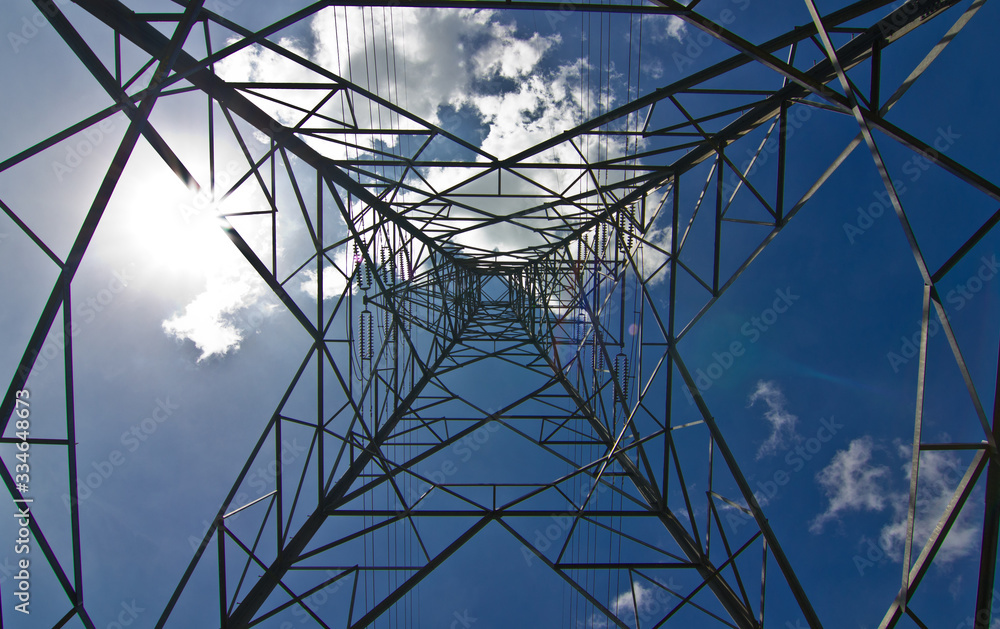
(173,230)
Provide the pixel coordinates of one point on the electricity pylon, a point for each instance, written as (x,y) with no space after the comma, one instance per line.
(630,226)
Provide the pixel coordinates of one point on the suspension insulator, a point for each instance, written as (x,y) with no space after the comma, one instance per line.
(367,332)
(626,227)
(403,265)
(621,229)
(631,226)
(362,275)
(387,264)
(621,375)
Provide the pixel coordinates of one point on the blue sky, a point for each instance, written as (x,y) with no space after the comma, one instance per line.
(181,353)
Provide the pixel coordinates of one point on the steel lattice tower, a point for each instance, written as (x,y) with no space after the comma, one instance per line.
(628,236)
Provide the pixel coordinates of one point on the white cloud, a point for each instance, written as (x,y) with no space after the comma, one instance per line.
(511,58)
(638,604)
(782,422)
(638,597)
(334,278)
(676,28)
(262,65)
(405,56)
(665,27)
(940,473)
(177,235)
(409,57)
(650,260)
(212,320)
(654,69)
(851,483)
(543,105)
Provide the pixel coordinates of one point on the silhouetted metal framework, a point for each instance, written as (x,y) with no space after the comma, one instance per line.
(572,310)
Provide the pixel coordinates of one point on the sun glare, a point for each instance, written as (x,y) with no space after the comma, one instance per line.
(174,230)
